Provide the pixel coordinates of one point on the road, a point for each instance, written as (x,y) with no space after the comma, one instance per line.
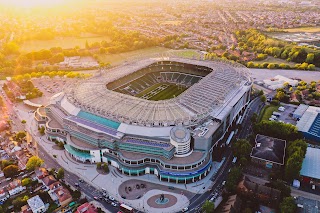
(71,178)
(307,76)
(197,201)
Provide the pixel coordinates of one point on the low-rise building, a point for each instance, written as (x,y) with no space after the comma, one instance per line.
(310,170)
(15,187)
(87,208)
(258,192)
(41,173)
(4,195)
(36,204)
(268,151)
(309,124)
(233,205)
(49,180)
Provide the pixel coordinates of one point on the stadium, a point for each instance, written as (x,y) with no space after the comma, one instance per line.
(160,116)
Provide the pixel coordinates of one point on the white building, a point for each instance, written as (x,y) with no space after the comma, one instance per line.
(36,204)
(15,187)
(278,81)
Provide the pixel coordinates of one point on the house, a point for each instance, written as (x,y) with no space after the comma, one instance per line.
(49,180)
(233,205)
(36,204)
(87,208)
(4,195)
(15,187)
(41,173)
(258,192)
(268,152)
(59,194)
(63,195)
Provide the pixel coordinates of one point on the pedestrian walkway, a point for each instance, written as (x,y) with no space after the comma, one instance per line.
(113,180)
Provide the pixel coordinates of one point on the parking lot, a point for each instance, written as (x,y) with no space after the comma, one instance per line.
(286,115)
(50,86)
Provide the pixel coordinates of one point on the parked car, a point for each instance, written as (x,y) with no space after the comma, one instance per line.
(96,198)
(111,198)
(114,204)
(185,209)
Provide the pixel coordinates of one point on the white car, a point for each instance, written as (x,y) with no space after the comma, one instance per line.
(114,204)
(185,209)
(111,198)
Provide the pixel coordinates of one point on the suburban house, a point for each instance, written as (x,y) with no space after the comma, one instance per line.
(233,205)
(268,152)
(15,187)
(48,180)
(255,191)
(87,208)
(4,195)
(41,173)
(36,204)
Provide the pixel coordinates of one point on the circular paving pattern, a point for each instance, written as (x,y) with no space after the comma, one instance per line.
(171,200)
(164,201)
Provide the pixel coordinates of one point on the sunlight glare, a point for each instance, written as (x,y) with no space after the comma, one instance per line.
(31,3)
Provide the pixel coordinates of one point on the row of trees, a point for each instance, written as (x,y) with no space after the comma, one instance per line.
(275,129)
(254,40)
(296,152)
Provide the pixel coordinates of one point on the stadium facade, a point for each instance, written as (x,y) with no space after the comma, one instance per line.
(101,120)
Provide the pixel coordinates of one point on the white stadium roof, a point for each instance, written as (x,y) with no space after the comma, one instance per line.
(196,103)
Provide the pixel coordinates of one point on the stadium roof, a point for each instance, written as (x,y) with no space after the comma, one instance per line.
(310,166)
(195,104)
(300,110)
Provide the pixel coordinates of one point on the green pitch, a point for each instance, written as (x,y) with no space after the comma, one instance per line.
(169,92)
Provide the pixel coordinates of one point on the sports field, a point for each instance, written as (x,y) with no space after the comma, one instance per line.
(162,91)
(64,42)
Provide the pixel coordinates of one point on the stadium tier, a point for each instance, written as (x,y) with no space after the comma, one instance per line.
(153,116)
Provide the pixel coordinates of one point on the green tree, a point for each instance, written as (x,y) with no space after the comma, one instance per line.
(26,182)
(33,163)
(1,209)
(242,148)
(99,165)
(288,205)
(105,167)
(60,174)
(208,206)
(23,121)
(233,178)
(263,98)
(11,171)
(310,58)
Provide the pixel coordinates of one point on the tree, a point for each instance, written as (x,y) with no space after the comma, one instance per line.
(105,167)
(208,206)
(23,121)
(310,58)
(1,209)
(11,171)
(60,174)
(233,179)
(33,163)
(288,205)
(5,163)
(99,165)
(263,98)
(242,148)
(26,182)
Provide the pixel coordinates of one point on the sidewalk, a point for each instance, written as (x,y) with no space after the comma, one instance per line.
(113,180)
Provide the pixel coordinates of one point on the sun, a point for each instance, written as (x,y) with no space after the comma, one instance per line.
(31,3)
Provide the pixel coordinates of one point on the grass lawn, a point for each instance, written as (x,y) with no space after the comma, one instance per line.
(267,112)
(187,53)
(303,30)
(270,59)
(64,42)
(148,90)
(170,92)
(116,59)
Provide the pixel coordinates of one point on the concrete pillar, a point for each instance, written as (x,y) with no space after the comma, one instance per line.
(193,180)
